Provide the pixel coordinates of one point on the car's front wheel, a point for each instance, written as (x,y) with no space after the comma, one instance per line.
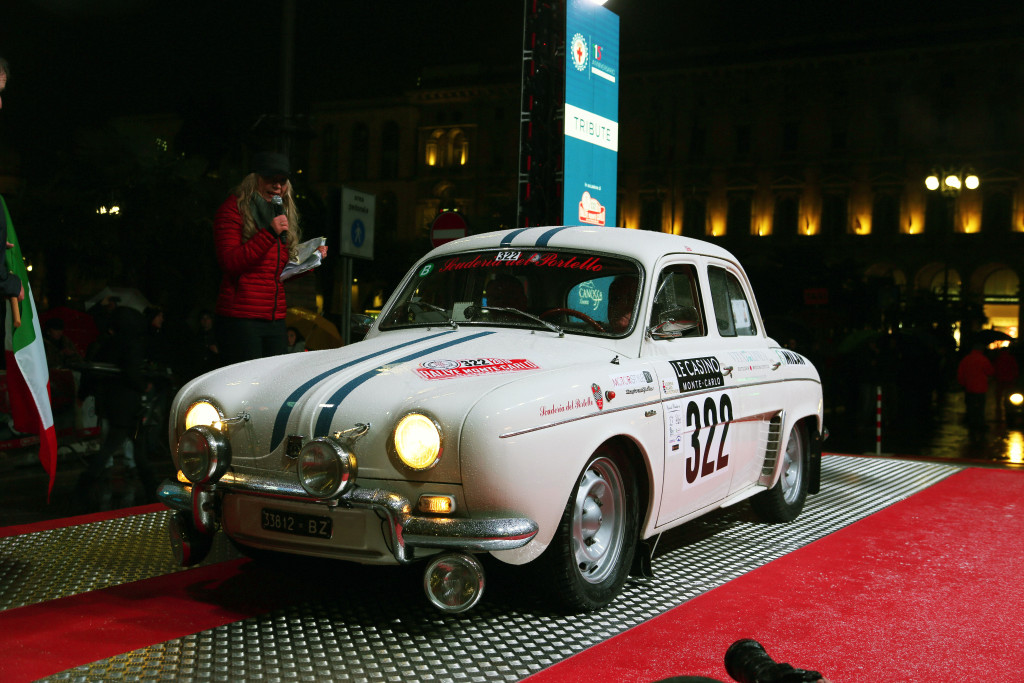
(784,501)
(588,560)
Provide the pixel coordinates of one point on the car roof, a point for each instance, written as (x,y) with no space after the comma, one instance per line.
(644,245)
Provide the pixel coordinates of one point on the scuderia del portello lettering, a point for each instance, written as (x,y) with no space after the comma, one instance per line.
(566,406)
(695,374)
(519,258)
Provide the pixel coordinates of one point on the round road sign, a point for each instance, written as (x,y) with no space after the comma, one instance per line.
(448,226)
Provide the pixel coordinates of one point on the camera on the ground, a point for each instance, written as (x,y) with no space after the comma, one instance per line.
(747,661)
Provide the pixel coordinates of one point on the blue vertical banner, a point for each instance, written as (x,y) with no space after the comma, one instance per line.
(591,114)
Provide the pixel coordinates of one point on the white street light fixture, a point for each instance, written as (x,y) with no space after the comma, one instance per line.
(952,182)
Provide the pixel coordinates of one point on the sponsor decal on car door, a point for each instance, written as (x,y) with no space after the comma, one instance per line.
(698,435)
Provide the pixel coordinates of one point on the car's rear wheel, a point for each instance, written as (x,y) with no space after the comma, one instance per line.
(588,560)
(784,501)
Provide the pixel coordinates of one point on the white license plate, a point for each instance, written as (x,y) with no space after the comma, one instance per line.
(313,526)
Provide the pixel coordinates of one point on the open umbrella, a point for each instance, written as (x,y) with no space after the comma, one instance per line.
(857,339)
(989,336)
(128,296)
(320,333)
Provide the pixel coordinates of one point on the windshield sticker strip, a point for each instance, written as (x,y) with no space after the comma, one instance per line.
(323,421)
(546,237)
(285,411)
(507,239)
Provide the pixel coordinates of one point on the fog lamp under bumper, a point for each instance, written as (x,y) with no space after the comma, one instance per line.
(454,582)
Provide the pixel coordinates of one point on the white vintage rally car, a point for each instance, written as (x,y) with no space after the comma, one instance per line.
(555,396)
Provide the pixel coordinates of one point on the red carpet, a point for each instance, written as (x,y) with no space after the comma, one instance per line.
(32,528)
(49,637)
(928,589)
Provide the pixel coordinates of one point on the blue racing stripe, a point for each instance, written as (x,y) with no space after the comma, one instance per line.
(507,239)
(285,411)
(323,421)
(546,237)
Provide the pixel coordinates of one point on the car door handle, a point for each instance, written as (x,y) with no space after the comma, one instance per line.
(726,371)
(776,365)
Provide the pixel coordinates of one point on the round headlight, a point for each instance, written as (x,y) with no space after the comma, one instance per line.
(1016,398)
(326,468)
(203,454)
(418,441)
(202,413)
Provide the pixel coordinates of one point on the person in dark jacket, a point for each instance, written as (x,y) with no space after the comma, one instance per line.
(10,285)
(973,373)
(254,238)
(118,389)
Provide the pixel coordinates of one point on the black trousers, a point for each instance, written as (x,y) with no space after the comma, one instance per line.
(242,339)
(975,404)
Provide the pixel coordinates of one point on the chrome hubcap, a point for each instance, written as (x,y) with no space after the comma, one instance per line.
(792,467)
(597,520)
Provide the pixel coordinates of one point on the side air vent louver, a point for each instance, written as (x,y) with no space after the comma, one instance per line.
(771,437)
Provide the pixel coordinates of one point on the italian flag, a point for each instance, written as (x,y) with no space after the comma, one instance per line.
(28,379)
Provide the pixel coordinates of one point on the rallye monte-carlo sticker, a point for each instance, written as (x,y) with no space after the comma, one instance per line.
(470,367)
(694,374)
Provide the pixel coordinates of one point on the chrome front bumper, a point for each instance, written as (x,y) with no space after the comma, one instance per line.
(407,529)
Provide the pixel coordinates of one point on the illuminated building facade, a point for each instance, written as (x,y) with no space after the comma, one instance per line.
(810,161)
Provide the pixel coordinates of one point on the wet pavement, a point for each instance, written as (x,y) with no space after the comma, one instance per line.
(940,435)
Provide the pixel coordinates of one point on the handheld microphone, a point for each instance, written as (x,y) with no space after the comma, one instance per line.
(278,205)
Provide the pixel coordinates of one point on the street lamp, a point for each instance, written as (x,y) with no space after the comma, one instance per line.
(951,182)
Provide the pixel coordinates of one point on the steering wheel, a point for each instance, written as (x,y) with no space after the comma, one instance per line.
(577,314)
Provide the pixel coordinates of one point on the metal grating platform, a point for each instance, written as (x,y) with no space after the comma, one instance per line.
(384,630)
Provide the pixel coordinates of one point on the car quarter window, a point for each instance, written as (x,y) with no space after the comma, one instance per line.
(678,310)
(732,310)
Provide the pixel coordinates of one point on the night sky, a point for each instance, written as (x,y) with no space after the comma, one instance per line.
(217,63)
(217,66)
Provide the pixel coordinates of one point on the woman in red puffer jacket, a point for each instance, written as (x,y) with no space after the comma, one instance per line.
(256,232)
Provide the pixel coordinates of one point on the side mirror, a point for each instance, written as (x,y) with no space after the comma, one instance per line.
(675,323)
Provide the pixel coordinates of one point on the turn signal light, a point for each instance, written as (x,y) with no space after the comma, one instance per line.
(436,505)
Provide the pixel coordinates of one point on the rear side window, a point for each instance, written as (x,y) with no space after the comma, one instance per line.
(732,310)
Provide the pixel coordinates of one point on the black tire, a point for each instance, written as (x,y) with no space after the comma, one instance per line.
(589,558)
(784,501)
(190,547)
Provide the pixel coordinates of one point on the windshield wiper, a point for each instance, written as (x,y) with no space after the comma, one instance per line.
(423,305)
(473,310)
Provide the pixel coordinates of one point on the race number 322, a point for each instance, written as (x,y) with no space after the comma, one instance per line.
(708,441)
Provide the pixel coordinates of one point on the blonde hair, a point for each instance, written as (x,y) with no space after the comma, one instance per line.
(245,191)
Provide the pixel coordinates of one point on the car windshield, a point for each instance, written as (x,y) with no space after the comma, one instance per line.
(572,291)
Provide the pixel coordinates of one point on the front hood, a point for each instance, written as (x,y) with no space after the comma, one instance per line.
(439,372)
